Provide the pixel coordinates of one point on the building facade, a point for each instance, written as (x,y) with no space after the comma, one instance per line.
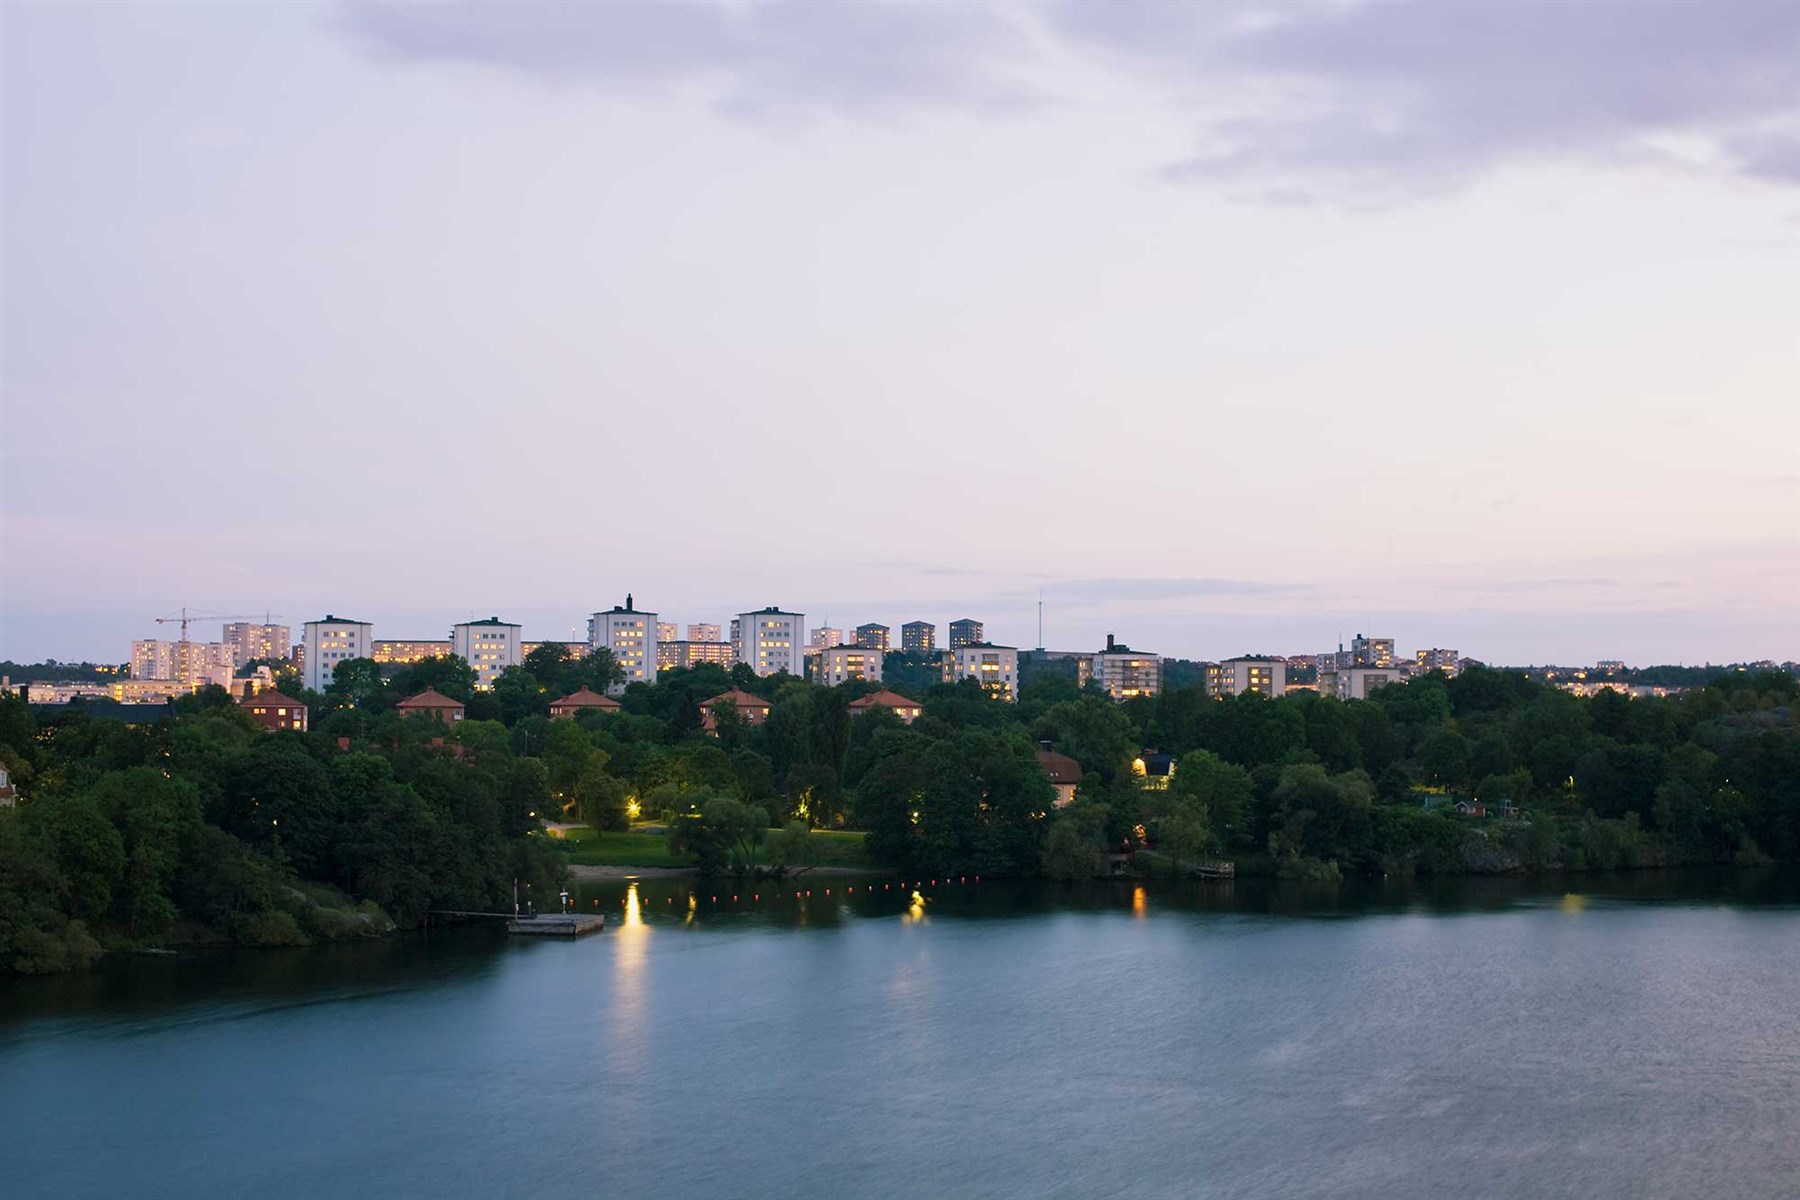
(918,637)
(872,637)
(907,710)
(966,633)
(1263,673)
(182,662)
(1435,660)
(682,655)
(703,633)
(996,668)
(631,636)
(667,631)
(1371,652)
(396,652)
(1125,673)
(771,641)
(330,642)
(824,637)
(1355,683)
(840,664)
(489,646)
(249,642)
(274,711)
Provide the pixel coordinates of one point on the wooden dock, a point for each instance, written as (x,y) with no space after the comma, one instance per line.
(557,924)
(1214,870)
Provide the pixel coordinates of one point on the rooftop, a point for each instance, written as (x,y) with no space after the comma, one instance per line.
(585,697)
(884,699)
(269,696)
(737,696)
(492,621)
(429,698)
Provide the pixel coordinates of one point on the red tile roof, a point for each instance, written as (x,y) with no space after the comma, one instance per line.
(270,698)
(586,698)
(885,699)
(737,696)
(1059,767)
(429,698)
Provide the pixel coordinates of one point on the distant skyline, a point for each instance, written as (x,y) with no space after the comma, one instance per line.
(1229,327)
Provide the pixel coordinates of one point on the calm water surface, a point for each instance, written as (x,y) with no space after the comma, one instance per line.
(1625,1036)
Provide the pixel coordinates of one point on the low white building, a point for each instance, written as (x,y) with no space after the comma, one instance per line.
(330,642)
(840,664)
(489,646)
(995,667)
(630,634)
(770,641)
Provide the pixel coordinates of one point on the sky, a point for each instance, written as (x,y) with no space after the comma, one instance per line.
(1224,328)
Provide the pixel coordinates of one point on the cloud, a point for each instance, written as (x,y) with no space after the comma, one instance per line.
(1414,95)
(1104,590)
(759,57)
(1353,100)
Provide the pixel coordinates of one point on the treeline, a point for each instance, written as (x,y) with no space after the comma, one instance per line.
(138,832)
(205,827)
(1289,784)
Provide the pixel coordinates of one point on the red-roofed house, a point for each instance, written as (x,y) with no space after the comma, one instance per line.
(582,700)
(272,710)
(432,703)
(907,710)
(1064,773)
(754,709)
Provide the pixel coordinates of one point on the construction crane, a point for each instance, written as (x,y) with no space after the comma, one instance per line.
(184,616)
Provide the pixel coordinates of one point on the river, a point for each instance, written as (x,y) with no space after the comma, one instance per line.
(1594,1036)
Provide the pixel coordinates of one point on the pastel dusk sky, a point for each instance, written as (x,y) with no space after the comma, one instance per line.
(1225,328)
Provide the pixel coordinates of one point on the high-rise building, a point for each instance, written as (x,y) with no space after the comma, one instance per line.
(965,633)
(825,636)
(995,667)
(918,637)
(667,631)
(1126,673)
(1355,683)
(249,642)
(771,640)
(840,664)
(872,637)
(182,662)
(1371,652)
(631,636)
(489,646)
(1436,660)
(330,642)
(703,633)
(1263,673)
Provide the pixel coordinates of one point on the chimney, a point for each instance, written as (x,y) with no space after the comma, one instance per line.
(1109,641)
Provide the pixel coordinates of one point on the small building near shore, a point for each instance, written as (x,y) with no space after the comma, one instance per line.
(907,710)
(753,709)
(1064,773)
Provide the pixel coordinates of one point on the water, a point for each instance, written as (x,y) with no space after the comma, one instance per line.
(1639,1037)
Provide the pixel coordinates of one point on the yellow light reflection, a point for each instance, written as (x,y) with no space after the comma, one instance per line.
(1573,903)
(1140,903)
(625,1024)
(915,911)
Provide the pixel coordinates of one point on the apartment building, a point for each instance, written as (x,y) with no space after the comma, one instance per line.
(770,640)
(703,633)
(182,662)
(1355,683)
(682,655)
(918,637)
(631,636)
(1435,660)
(1263,673)
(489,646)
(872,637)
(395,652)
(840,664)
(995,667)
(1126,673)
(966,633)
(249,642)
(329,642)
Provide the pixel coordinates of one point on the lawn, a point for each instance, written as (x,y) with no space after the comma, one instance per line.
(588,847)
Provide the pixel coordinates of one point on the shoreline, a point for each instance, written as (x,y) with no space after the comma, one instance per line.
(598,873)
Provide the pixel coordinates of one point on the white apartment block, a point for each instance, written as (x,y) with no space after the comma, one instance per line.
(703,633)
(1436,659)
(840,664)
(826,636)
(250,641)
(327,643)
(996,667)
(770,641)
(1250,673)
(667,631)
(1125,673)
(631,636)
(489,646)
(182,662)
